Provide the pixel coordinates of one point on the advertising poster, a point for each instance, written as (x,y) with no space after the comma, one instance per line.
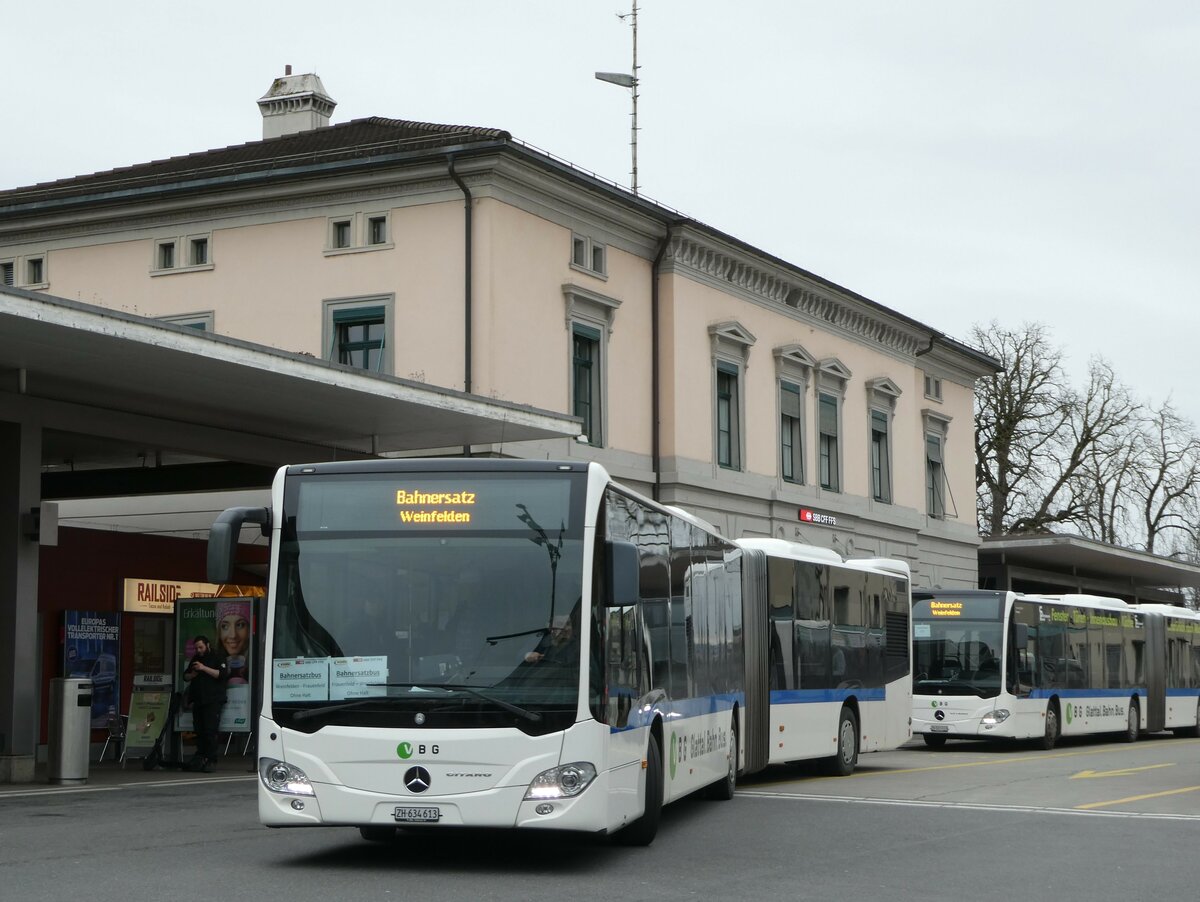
(92,650)
(227,623)
(148,709)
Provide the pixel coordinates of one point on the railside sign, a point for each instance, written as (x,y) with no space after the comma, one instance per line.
(157,596)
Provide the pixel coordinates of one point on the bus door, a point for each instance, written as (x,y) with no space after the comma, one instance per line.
(1155,671)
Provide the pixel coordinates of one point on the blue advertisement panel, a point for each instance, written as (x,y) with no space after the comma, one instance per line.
(92,650)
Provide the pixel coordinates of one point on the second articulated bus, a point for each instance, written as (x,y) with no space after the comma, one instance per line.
(838,658)
(990,664)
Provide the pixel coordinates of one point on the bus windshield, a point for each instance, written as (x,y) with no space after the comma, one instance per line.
(956,647)
(454,596)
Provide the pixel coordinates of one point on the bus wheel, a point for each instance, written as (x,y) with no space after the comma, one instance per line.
(842,764)
(1133,722)
(377,834)
(934,740)
(1050,737)
(723,789)
(642,831)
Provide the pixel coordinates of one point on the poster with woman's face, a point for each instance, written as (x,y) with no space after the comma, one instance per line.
(227,625)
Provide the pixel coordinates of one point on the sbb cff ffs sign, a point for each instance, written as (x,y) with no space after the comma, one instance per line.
(817,519)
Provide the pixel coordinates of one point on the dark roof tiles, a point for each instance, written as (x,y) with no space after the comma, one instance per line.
(372,136)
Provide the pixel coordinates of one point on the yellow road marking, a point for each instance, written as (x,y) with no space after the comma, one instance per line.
(1151,795)
(1125,772)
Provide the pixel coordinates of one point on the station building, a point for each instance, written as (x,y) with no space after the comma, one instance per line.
(589,322)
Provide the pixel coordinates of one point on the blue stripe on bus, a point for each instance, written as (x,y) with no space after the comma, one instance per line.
(1183,693)
(1087,693)
(810,696)
(682,709)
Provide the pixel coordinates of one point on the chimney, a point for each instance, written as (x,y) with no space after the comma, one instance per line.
(295,103)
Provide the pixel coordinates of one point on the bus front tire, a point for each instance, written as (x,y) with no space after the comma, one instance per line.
(1050,736)
(842,764)
(934,740)
(724,789)
(642,831)
(1133,721)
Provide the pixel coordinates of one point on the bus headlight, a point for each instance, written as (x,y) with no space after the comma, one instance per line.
(563,782)
(998,716)
(279,776)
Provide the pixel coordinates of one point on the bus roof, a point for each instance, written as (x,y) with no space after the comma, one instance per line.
(1091,601)
(793,550)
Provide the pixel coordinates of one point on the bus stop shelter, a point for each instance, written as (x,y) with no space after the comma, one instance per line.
(95,402)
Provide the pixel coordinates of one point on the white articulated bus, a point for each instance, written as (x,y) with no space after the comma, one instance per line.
(991,664)
(839,665)
(497,643)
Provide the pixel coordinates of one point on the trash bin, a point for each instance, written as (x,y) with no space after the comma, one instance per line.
(70,730)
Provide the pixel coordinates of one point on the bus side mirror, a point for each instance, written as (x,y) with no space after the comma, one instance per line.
(622,576)
(1022,636)
(223,539)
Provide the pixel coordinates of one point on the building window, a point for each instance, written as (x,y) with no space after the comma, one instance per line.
(7,273)
(586,380)
(728,425)
(791,443)
(731,343)
(827,429)
(341,233)
(166,255)
(589,321)
(377,230)
(881,468)
(933,387)
(199,252)
(35,271)
(935,477)
(201,322)
(358,337)
(589,256)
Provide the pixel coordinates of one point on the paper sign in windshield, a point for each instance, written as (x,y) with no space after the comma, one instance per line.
(300,680)
(357,677)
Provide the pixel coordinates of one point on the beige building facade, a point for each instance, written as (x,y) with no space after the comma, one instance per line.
(707,373)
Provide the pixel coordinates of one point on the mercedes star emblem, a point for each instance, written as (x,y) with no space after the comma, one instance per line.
(416,779)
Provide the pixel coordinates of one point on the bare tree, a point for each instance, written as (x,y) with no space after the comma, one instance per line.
(1168,476)
(1038,442)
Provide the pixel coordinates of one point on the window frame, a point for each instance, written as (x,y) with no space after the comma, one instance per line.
(337,312)
(880,456)
(593,429)
(883,395)
(203,321)
(590,247)
(358,226)
(793,366)
(791,433)
(831,381)
(730,345)
(596,312)
(936,429)
(182,254)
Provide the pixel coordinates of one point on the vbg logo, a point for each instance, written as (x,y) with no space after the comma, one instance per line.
(404,750)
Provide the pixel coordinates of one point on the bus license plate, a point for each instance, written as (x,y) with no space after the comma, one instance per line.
(936,728)
(418,815)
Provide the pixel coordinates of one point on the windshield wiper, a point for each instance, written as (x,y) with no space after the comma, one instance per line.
(423,687)
(357,703)
(507,706)
(543,631)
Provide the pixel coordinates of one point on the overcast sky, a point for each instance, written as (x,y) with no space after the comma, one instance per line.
(957,161)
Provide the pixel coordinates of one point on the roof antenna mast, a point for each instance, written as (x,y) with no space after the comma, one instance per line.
(629,81)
